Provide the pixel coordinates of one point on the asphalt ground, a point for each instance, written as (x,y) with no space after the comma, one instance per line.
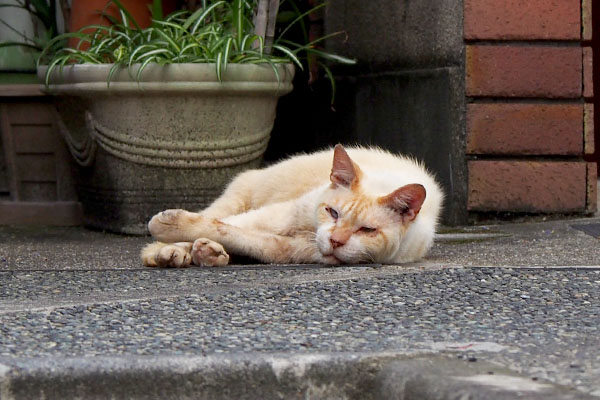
(523,297)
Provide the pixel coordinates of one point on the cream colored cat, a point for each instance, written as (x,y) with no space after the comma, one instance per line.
(373,207)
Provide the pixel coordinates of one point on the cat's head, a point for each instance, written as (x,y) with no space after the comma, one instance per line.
(355,225)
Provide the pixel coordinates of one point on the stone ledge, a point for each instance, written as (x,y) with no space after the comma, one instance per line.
(55,213)
(252,376)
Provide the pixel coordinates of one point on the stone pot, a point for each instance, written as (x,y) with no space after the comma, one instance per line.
(173,139)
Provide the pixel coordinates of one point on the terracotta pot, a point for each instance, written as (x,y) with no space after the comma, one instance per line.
(89,12)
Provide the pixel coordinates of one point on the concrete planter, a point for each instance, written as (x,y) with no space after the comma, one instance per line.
(173,139)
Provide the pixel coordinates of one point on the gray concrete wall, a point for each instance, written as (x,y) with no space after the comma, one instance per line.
(406,92)
(391,34)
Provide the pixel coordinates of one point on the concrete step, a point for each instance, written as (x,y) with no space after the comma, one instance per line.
(271,376)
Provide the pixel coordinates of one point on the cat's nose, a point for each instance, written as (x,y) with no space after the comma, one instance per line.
(335,244)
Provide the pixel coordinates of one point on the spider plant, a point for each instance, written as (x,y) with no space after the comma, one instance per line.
(220,32)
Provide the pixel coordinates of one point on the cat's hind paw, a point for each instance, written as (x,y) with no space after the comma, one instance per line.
(208,253)
(167,255)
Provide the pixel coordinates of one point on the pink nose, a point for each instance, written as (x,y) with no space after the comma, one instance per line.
(335,244)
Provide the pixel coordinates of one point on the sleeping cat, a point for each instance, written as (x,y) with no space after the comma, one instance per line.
(324,207)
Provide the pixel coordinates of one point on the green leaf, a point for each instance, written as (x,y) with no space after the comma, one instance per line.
(111,72)
(157,10)
(290,54)
(142,68)
(322,38)
(226,54)
(219,60)
(331,80)
(247,41)
(238,20)
(155,52)
(198,17)
(176,15)
(300,18)
(127,14)
(168,24)
(275,70)
(168,39)
(51,68)
(331,56)
(132,57)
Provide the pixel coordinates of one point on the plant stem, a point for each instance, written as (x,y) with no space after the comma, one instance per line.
(53,23)
(270,33)
(260,21)
(315,31)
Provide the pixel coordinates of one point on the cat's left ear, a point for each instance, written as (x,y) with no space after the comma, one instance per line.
(406,201)
(344,171)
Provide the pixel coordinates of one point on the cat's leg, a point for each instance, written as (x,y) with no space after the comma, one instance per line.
(236,198)
(175,255)
(233,201)
(260,243)
(264,246)
(171,226)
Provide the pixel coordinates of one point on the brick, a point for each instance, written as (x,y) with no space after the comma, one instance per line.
(522,19)
(586,20)
(524,71)
(588,129)
(592,188)
(588,72)
(527,129)
(527,186)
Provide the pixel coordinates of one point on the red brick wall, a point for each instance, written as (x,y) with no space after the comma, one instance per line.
(529,112)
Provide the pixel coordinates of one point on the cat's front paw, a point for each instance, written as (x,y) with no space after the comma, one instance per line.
(169,225)
(207,253)
(167,255)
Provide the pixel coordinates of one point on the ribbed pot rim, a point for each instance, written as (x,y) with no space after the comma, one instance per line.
(184,72)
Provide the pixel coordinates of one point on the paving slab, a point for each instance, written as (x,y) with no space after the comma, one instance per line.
(521,297)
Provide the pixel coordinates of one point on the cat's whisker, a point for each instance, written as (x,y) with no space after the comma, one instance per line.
(369,256)
(363,256)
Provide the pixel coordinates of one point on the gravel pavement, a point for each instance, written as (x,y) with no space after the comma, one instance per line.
(524,297)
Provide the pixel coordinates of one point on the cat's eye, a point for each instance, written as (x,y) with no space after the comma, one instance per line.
(367,229)
(334,214)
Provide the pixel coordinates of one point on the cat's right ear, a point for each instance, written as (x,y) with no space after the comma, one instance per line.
(344,172)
